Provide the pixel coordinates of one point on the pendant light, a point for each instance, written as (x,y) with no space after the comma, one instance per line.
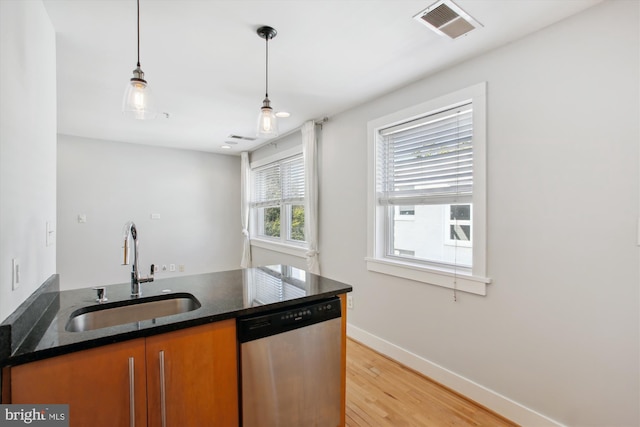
(267,121)
(138,101)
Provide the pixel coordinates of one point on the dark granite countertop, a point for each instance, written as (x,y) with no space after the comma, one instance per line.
(36,330)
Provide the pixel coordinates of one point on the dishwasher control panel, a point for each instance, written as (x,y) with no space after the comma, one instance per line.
(260,326)
(306,313)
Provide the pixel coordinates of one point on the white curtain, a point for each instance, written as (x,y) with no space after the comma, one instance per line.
(309,148)
(245,194)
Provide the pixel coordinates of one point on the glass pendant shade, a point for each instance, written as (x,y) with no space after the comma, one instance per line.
(138,99)
(267,121)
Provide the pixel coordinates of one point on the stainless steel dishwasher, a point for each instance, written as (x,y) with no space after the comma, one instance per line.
(290,366)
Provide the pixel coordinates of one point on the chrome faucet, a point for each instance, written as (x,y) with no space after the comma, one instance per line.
(130,230)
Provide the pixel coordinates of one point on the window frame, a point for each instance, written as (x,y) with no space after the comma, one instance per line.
(472,280)
(284,243)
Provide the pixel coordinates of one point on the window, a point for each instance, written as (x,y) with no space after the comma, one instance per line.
(427,197)
(278,201)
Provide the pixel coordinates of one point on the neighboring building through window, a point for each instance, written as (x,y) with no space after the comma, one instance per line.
(436,233)
(406,211)
(459,225)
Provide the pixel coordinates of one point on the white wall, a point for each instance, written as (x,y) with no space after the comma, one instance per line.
(276,148)
(197,195)
(27,148)
(558,331)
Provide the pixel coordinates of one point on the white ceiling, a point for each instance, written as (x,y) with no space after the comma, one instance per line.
(205,63)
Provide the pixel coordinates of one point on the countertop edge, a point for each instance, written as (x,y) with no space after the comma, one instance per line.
(19,325)
(15,360)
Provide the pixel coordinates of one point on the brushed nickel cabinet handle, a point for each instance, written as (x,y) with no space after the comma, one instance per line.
(132,399)
(163,406)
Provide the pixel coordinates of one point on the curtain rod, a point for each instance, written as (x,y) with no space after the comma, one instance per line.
(319,122)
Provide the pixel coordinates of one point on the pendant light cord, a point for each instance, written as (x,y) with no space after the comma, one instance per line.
(266,69)
(138,1)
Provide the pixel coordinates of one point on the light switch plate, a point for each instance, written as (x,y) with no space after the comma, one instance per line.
(51,235)
(15,276)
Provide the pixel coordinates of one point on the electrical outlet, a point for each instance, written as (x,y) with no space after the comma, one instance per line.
(181,268)
(15,276)
(164,267)
(172,267)
(349,301)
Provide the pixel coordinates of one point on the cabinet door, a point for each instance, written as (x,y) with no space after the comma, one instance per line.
(96,384)
(192,377)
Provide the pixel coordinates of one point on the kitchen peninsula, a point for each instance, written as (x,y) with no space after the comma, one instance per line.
(182,367)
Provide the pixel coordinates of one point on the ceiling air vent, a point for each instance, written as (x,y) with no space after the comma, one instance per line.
(242,138)
(447,18)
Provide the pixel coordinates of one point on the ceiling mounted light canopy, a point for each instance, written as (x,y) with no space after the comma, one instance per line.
(138,101)
(267,121)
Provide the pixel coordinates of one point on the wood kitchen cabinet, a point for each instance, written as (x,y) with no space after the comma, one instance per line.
(95,383)
(189,377)
(198,367)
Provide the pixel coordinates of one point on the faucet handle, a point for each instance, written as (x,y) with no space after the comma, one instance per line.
(149,278)
(102,294)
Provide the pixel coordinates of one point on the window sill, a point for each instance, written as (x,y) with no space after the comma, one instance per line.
(299,251)
(459,281)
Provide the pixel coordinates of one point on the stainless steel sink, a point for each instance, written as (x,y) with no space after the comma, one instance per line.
(137,310)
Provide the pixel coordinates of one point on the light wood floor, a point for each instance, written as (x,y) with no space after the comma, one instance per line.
(381,392)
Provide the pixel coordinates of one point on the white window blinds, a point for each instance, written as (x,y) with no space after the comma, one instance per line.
(266,185)
(428,160)
(282,181)
(293,179)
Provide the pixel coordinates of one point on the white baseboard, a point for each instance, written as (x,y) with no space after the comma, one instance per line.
(496,402)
